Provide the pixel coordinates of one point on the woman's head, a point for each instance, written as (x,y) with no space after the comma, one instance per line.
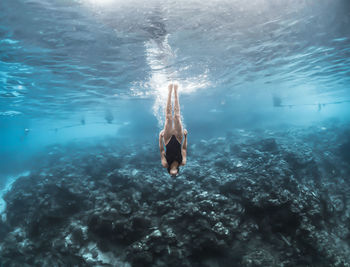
(174,170)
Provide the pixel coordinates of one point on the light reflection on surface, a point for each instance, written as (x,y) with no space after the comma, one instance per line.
(76,56)
(159,57)
(102,2)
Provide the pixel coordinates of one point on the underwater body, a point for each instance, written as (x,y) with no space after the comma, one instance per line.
(264,94)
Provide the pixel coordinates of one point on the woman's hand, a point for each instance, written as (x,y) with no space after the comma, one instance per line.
(161,134)
(185,132)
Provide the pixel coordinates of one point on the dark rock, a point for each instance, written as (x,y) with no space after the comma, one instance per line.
(3,229)
(269,145)
(142,258)
(101,227)
(345,151)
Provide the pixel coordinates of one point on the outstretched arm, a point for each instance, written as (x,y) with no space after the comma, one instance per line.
(162,151)
(184,149)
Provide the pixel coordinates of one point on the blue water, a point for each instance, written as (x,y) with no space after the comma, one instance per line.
(90,68)
(264,89)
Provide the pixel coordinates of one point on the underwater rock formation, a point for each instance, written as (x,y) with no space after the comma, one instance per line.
(252,198)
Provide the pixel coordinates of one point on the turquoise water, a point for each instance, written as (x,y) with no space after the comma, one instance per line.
(67,61)
(85,70)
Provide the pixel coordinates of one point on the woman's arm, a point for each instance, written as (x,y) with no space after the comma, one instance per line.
(162,151)
(184,149)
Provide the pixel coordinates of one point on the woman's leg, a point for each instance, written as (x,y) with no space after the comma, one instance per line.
(177,117)
(168,127)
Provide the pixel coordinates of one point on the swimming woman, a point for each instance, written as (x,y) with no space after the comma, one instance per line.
(175,155)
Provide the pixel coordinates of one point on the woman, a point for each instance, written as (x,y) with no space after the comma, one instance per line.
(175,155)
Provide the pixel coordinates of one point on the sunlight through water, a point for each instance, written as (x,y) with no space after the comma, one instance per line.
(159,57)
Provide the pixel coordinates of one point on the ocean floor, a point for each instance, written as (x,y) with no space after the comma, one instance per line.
(247,198)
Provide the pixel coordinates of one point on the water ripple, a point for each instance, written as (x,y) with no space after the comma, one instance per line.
(82,54)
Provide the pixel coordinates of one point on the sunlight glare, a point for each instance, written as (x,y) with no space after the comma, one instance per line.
(159,56)
(101,2)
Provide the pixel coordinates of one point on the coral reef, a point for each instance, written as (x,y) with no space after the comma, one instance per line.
(250,198)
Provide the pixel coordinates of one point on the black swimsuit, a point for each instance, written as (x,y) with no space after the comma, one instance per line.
(173,151)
